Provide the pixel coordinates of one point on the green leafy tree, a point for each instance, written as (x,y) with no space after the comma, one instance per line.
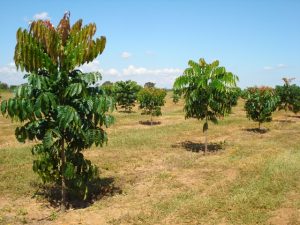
(13,87)
(149,85)
(4,86)
(126,94)
(175,96)
(151,100)
(205,87)
(260,104)
(108,87)
(289,96)
(60,106)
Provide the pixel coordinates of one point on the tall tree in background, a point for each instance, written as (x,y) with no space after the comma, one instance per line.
(125,93)
(205,87)
(60,106)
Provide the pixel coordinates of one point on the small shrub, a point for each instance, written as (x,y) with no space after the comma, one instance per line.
(125,93)
(260,104)
(289,96)
(151,100)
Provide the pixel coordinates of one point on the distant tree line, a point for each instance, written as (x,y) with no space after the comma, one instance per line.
(5,86)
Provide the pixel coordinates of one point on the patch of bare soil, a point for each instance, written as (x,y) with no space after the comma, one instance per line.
(285,216)
(25,210)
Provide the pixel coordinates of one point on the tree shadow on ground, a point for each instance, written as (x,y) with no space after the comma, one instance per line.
(200,147)
(294,116)
(284,121)
(126,112)
(257,130)
(98,189)
(148,123)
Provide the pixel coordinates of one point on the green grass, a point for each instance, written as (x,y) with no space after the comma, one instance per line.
(252,178)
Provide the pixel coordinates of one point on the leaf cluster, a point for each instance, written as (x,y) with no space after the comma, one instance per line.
(151,100)
(125,93)
(207,90)
(260,103)
(289,97)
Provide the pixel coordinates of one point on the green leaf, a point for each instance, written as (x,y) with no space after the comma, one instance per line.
(3,106)
(69,172)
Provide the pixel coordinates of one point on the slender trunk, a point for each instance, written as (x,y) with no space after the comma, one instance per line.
(63,182)
(151,120)
(205,149)
(205,144)
(259,125)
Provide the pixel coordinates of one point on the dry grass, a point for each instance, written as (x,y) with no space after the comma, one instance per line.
(253,179)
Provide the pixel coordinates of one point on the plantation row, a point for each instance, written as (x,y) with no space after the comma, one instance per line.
(66,111)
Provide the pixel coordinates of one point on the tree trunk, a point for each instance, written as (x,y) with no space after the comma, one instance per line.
(259,125)
(63,182)
(151,120)
(205,149)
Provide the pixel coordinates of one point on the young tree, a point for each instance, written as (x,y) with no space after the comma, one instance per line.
(151,100)
(203,87)
(60,106)
(126,94)
(260,103)
(175,96)
(4,86)
(108,87)
(289,96)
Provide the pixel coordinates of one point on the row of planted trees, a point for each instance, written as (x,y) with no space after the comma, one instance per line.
(66,112)
(127,93)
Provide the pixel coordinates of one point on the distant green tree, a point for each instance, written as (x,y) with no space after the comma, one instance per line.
(4,86)
(175,96)
(108,87)
(13,87)
(149,85)
(289,96)
(151,100)
(60,106)
(125,93)
(260,104)
(205,88)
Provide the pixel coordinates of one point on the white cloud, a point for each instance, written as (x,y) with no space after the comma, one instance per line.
(91,67)
(41,16)
(277,67)
(162,77)
(281,66)
(10,75)
(132,70)
(112,71)
(126,55)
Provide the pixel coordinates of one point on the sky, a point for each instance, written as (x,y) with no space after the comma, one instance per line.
(153,40)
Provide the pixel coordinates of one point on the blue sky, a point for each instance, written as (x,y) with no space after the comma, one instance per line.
(258,40)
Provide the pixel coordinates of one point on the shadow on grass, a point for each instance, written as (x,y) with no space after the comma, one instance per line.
(126,112)
(199,147)
(294,116)
(285,121)
(98,189)
(257,130)
(148,123)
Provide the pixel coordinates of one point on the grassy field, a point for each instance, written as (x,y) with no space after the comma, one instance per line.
(158,174)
